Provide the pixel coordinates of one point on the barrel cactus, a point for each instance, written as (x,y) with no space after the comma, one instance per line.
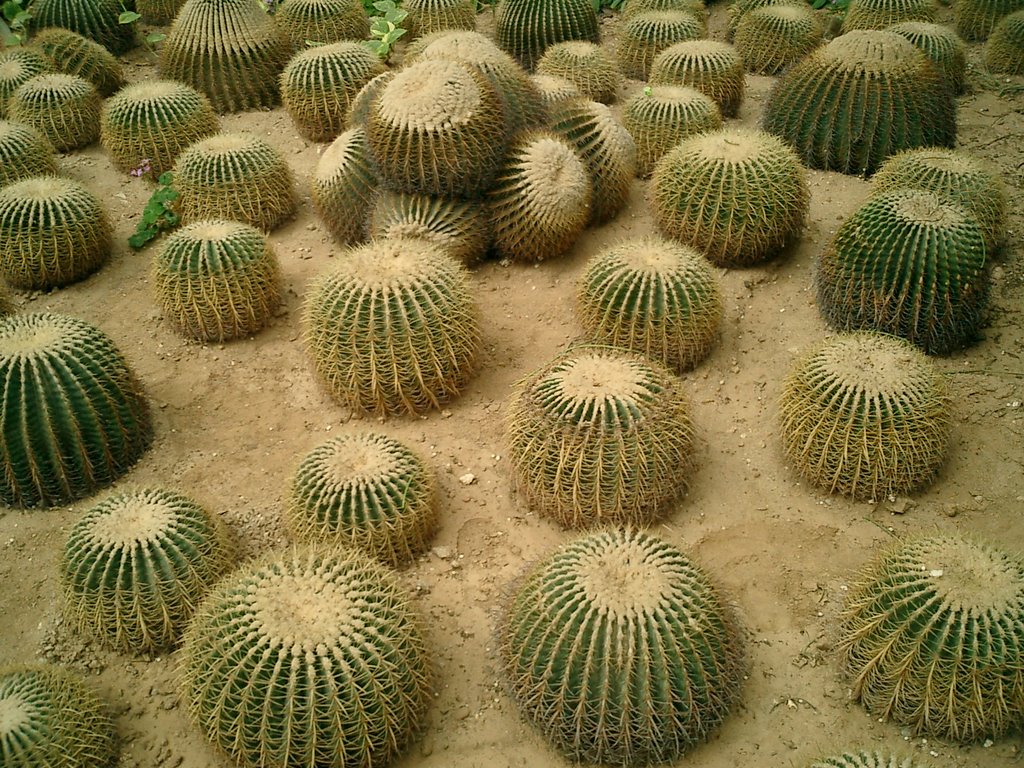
(975,19)
(137,564)
(321,21)
(660,116)
(737,9)
(737,194)
(772,38)
(620,650)
(24,152)
(228,49)
(159,12)
(365,490)
(642,6)
(234,176)
(818,105)
(461,228)
(91,422)
(53,232)
(73,54)
(1004,51)
(318,85)
(51,717)
(65,108)
(600,436)
(359,109)
(941,45)
(879,14)
(427,16)
(217,280)
(154,121)
(19,65)
(343,186)
(645,35)
(865,759)
(932,638)
(586,65)
(525,28)
(540,202)
(97,20)
(318,653)
(392,327)
(908,264)
(710,66)
(866,415)
(555,92)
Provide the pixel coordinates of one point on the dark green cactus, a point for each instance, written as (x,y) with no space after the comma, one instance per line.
(600,436)
(660,116)
(72,54)
(1004,51)
(932,638)
(91,422)
(770,39)
(96,20)
(619,649)
(311,657)
(819,105)
(866,415)
(64,108)
(908,264)
(941,45)
(53,232)
(217,280)
(865,759)
(343,186)
(24,152)
(51,717)
(159,12)
(975,19)
(392,327)
(137,564)
(429,16)
(322,21)
(234,176)
(365,490)
(879,14)
(540,201)
(461,227)
(525,28)
(586,65)
(712,67)
(645,35)
(152,122)
(19,65)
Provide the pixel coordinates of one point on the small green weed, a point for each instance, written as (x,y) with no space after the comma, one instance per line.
(14,19)
(127,18)
(384,27)
(158,215)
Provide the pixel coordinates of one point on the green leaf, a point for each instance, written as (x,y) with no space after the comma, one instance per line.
(384,5)
(11,9)
(396,16)
(380,27)
(155,37)
(128,17)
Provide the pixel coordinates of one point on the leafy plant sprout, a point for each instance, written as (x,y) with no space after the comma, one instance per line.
(129,17)
(384,26)
(14,21)
(159,214)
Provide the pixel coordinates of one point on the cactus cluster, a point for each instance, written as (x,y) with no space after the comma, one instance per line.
(137,564)
(97,20)
(365,490)
(660,116)
(932,638)
(866,415)
(65,108)
(712,67)
(619,649)
(24,152)
(600,436)
(941,45)
(645,35)
(772,38)
(462,228)
(343,186)
(976,19)
(321,21)
(429,16)
(586,65)
(879,14)
(311,657)
(73,54)
(1004,51)
(91,422)
(19,65)
(525,28)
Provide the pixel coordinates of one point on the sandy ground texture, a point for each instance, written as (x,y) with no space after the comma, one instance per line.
(233,420)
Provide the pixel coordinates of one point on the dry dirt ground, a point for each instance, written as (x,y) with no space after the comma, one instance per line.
(233,420)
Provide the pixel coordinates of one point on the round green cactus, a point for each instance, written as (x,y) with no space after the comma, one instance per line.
(152,122)
(975,19)
(437,128)
(525,28)
(429,16)
(51,717)
(311,657)
(619,649)
(24,152)
(217,280)
(90,421)
(645,35)
(819,104)
(600,436)
(555,92)
(941,45)
(737,194)
(540,202)
(343,186)
(96,20)
(607,150)
(228,49)
(865,759)
(234,176)
(866,415)
(365,490)
(654,297)
(712,67)
(137,564)
(879,14)
(72,54)
(660,116)
(392,328)
(65,108)
(770,39)
(737,9)
(460,227)
(932,638)
(158,12)
(1004,51)
(642,6)
(53,232)
(909,264)
(19,65)
(321,21)
(586,65)
(319,84)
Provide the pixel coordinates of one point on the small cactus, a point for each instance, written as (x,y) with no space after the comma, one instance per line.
(525,28)
(137,564)
(642,6)
(365,490)
(73,54)
(879,14)
(713,68)
(586,65)
(65,108)
(865,759)
(24,152)
(941,45)
(429,16)
(1004,51)
(975,19)
(321,21)
(91,421)
(866,415)
(645,35)
(737,9)
(343,186)
(19,65)
(619,649)
(770,39)
(460,227)
(96,20)
(660,116)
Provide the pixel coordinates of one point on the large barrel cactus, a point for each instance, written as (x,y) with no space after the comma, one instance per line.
(429,16)
(24,152)
(19,65)
(712,67)
(645,35)
(738,9)
(588,66)
(91,422)
(321,21)
(619,649)
(137,564)
(461,227)
(1004,51)
(65,108)
(975,19)
(772,38)
(311,657)
(73,54)
(933,638)
(159,12)
(526,28)
(660,116)
(941,45)
(642,6)
(879,14)
(97,20)
(343,186)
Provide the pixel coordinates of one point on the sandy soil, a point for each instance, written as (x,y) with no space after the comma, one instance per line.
(233,420)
